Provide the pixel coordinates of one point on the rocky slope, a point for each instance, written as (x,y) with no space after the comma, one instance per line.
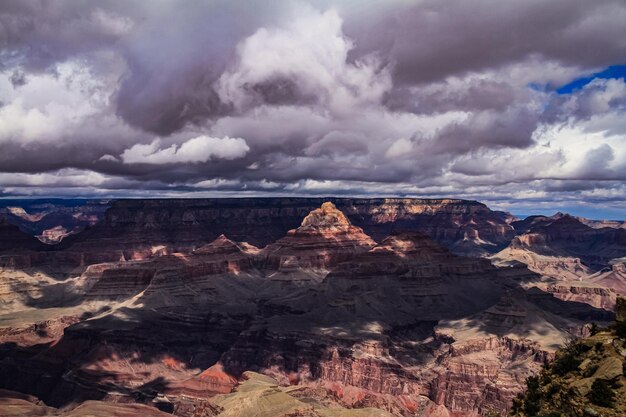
(12,239)
(51,220)
(13,404)
(324,239)
(577,262)
(16,247)
(565,236)
(136,226)
(343,325)
(141,229)
(261,396)
(585,379)
(373,334)
(524,225)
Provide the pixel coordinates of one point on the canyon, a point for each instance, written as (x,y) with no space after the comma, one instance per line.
(51,220)
(295,306)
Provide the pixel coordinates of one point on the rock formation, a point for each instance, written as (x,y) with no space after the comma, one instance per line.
(161,307)
(53,219)
(324,239)
(521,226)
(135,226)
(585,379)
(565,236)
(13,240)
(261,396)
(14,404)
(577,262)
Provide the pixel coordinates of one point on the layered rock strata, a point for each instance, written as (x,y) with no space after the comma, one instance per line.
(403,327)
(182,225)
(324,239)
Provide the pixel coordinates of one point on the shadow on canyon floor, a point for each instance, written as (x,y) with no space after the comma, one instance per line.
(97,356)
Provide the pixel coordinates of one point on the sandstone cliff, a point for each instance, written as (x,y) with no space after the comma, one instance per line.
(138,225)
(324,239)
(177,316)
(565,236)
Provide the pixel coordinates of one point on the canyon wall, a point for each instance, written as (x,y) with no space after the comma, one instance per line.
(152,306)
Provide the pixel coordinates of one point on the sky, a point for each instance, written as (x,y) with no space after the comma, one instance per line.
(518,104)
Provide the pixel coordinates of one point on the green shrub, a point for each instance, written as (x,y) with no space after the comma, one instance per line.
(565,363)
(620,329)
(546,378)
(601,393)
(532,403)
(568,358)
(518,404)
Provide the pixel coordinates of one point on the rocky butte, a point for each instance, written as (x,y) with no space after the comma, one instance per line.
(296,307)
(586,378)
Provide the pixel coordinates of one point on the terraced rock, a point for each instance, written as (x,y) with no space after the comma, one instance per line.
(341,325)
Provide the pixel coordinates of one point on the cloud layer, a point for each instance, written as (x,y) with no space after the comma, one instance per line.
(195,150)
(418,98)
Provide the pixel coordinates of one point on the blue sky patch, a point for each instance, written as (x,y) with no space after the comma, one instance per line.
(614,71)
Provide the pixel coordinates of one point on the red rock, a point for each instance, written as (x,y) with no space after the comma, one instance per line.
(135,226)
(13,240)
(566,236)
(325,238)
(405,325)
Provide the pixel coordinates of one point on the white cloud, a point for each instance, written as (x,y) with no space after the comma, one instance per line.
(111,23)
(108,157)
(50,105)
(599,97)
(199,149)
(399,148)
(587,154)
(217,183)
(306,60)
(66,177)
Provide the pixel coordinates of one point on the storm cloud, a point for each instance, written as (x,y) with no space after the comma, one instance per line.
(427,98)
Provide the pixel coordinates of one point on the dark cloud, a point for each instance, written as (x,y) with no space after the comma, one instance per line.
(37,34)
(432,98)
(339,143)
(432,39)
(599,97)
(511,128)
(472,94)
(280,91)
(17,78)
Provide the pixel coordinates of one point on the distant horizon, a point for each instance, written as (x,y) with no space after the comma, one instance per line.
(525,209)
